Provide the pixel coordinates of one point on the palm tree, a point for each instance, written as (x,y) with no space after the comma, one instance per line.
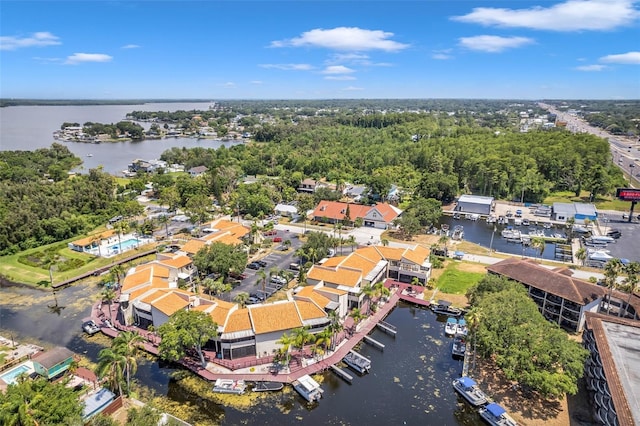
(611,272)
(632,270)
(263,278)
(108,296)
(241,299)
(368,291)
(385,242)
(119,272)
(473,319)
(351,242)
(127,344)
(312,253)
(581,255)
(111,365)
(286,244)
(357,317)
(324,338)
(381,289)
(539,244)
(302,337)
(286,340)
(164,220)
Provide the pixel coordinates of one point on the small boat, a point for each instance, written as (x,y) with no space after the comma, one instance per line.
(267,386)
(456,216)
(462,329)
(525,222)
(458,232)
(443,307)
(451,327)
(495,415)
(474,217)
(468,388)
(229,386)
(358,362)
(89,155)
(90,327)
(308,388)
(546,225)
(517,221)
(459,346)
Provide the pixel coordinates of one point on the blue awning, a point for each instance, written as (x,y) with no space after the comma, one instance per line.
(495,409)
(459,253)
(467,382)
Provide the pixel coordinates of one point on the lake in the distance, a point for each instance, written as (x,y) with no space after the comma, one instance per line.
(27,128)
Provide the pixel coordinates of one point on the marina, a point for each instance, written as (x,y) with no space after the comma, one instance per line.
(357,362)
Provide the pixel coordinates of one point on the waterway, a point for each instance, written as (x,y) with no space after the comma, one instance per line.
(28,128)
(483,234)
(409,383)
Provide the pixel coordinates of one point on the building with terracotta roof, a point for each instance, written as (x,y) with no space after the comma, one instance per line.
(380,215)
(220,230)
(367,266)
(611,370)
(560,298)
(91,243)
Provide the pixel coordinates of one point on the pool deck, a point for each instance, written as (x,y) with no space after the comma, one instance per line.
(259,369)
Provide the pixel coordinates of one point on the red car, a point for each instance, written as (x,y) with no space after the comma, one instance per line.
(269,233)
(277,240)
(237,276)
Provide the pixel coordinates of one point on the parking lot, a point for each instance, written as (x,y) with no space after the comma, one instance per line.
(628,245)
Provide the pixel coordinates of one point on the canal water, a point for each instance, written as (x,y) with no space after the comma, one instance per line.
(480,232)
(409,383)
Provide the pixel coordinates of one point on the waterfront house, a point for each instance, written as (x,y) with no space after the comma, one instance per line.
(560,298)
(52,363)
(308,186)
(611,370)
(474,204)
(379,215)
(91,243)
(197,171)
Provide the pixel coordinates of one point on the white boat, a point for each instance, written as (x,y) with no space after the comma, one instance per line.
(442,307)
(601,239)
(459,346)
(458,232)
(229,386)
(462,329)
(517,221)
(511,234)
(474,217)
(495,415)
(308,388)
(468,388)
(90,327)
(451,326)
(600,255)
(358,362)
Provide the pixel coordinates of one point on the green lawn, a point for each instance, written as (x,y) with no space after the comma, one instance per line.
(602,203)
(455,281)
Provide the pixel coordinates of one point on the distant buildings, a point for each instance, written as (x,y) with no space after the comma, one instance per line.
(379,215)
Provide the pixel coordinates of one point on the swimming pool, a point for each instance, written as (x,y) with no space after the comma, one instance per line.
(10,376)
(125,245)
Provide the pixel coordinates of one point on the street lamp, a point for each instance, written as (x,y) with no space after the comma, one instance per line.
(491,242)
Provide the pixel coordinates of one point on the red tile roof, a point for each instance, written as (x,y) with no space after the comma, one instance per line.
(336,210)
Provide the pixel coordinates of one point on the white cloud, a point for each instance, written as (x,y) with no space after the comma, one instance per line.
(46,60)
(344,38)
(572,15)
(337,69)
(288,67)
(352,89)
(493,44)
(442,55)
(39,39)
(622,58)
(78,58)
(258,82)
(340,77)
(590,68)
(228,85)
(131,46)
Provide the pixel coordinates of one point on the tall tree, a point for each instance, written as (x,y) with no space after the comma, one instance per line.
(612,271)
(112,365)
(186,330)
(632,270)
(127,344)
(220,258)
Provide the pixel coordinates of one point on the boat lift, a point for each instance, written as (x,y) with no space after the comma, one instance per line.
(342,374)
(374,343)
(387,328)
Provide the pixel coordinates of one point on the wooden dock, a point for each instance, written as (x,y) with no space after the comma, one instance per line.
(374,343)
(342,374)
(387,328)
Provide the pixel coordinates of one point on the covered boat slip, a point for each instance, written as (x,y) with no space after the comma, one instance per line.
(308,388)
(357,362)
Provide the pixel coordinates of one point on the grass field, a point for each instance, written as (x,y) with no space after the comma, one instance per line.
(602,203)
(455,280)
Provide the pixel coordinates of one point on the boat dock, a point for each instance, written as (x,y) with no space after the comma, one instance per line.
(374,343)
(342,374)
(387,328)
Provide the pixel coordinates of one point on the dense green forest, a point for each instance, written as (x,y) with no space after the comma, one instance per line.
(428,155)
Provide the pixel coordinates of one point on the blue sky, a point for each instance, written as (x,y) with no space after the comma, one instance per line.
(92,49)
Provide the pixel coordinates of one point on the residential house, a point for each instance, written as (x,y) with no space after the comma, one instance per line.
(52,363)
(379,215)
(220,230)
(91,244)
(560,298)
(307,185)
(198,171)
(286,210)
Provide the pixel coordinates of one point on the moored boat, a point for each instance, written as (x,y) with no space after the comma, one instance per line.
(267,386)
(443,307)
(308,388)
(462,329)
(451,326)
(495,415)
(229,386)
(459,346)
(358,362)
(468,388)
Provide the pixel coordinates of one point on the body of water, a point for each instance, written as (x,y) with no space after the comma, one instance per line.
(409,383)
(482,233)
(28,128)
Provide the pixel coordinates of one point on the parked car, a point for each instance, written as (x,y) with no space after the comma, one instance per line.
(277,240)
(259,296)
(253,265)
(294,266)
(253,300)
(237,275)
(278,280)
(261,263)
(614,233)
(270,233)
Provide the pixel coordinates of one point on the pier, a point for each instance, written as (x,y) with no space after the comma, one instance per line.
(374,343)
(342,374)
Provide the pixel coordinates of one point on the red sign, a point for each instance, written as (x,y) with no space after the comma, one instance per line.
(628,194)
